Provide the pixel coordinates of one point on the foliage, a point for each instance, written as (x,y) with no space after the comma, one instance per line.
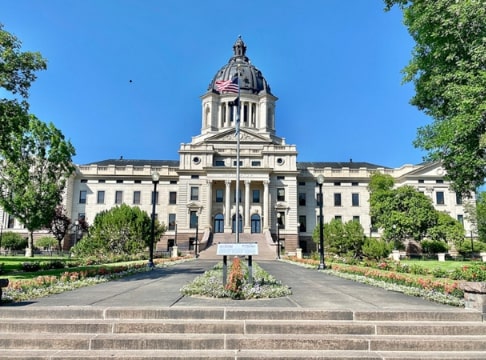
(476,215)
(434,246)
(235,279)
(17,72)
(120,230)
(59,225)
(467,247)
(449,74)
(33,174)
(31,266)
(376,248)
(210,284)
(447,229)
(13,241)
(403,212)
(46,242)
(342,239)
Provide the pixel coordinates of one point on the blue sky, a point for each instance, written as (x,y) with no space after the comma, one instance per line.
(334,65)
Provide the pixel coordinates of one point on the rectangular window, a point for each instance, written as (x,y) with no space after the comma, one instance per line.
(156,197)
(280,177)
(194,176)
(193,220)
(118,197)
(10,222)
(302,223)
(301,183)
(84,181)
(356,218)
(319,199)
(355,199)
(172,197)
(173,182)
(354,184)
(337,183)
(256,196)
(439,198)
(280,194)
(421,181)
(119,181)
(172,221)
(458,199)
(219,195)
(100,199)
(194,193)
(219,163)
(256,163)
(137,182)
(136,197)
(101,181)
(338,217)
(440,181)
(337,199)
(460,218)
(234,163)
(82,197)
(301,199)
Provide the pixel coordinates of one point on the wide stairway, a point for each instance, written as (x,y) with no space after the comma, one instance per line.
(267,250)
(237,333)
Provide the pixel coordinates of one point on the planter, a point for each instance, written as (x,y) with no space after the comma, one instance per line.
(299,253)
(483,256)
(396,255)
(441,256)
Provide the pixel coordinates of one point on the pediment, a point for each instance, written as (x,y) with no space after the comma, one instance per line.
(432,169)
(230,136)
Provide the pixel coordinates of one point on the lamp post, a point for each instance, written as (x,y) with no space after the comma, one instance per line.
(155,181)
(76,231)
(278,235)
(196,242)
(322,265)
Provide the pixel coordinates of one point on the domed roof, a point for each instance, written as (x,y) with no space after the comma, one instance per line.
(251,79)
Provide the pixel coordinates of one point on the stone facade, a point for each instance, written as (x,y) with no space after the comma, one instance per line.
(196,194)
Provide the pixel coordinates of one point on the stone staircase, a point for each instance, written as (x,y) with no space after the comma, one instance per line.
(86,332)
(266,250)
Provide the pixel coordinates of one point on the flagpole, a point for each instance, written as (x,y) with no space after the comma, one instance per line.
(237,221)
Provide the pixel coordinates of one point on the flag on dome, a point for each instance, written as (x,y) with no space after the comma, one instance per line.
(227,85)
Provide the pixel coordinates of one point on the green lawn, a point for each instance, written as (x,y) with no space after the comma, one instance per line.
(434,264)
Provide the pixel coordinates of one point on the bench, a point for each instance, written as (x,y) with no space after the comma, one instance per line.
(3,283)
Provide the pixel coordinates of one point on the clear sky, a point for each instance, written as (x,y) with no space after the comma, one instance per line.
(334,65)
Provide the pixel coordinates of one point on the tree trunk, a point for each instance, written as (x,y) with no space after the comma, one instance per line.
(29,252)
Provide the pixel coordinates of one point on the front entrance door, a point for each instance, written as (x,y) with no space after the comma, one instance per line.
(219,223)
(255,224)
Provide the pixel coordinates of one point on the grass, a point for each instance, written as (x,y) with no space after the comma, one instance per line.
(435,264)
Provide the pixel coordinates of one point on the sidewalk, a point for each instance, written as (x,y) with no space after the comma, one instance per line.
(310,289)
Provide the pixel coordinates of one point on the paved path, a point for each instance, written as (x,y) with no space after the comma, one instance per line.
(311,289)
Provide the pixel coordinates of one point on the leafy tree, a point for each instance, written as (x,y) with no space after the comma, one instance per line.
(434,246)
(46,242)
(120,230)
(17,72)
(476,215)
(403,212)
(33,175)
(343,239)
(60,225)
(447,229)
(448,69)
(376,249)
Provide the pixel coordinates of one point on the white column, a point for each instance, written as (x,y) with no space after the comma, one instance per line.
(266,205)
(247,204)
(210,202)
(227,202)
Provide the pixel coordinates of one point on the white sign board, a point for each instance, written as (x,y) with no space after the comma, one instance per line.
(237,249)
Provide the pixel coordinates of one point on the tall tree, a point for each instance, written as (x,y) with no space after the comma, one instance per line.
(448,69)
(17,72)
(33,175)
(60,225)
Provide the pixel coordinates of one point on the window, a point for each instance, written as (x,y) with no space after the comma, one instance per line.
(338,217)
(281,219)
(194,193)
(193,220)
(356,218)
(256,196)
(355,199)
(319,200)
(118,197)
(136,197)
(10,222)
(82,197)
(421,181)
(172,197)
(82,216)
(460,218)
(138,181)
(280,177)
(119,181)
(337,183)
(172,221)
(458,199)
(439,198)
(194,176)
(84,181)
(173,182)
(156,197)
(281,194)
(354,184)
(101,181)
(301,199)
(301,183)
(100,199)
(239,197)
(234,163)
(337,199)
(439,181)
(302,223)
(219,163)
(256,163)
(219,195)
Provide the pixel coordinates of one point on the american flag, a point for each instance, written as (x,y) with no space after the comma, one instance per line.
(227,85)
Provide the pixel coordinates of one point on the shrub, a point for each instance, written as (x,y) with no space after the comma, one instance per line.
(31,266)
(13,241)
(46,242)
(434,246)
(376,249)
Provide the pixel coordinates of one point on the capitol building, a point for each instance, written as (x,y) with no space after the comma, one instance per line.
(253,183)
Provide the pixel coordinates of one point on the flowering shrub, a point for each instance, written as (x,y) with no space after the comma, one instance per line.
(235,279)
